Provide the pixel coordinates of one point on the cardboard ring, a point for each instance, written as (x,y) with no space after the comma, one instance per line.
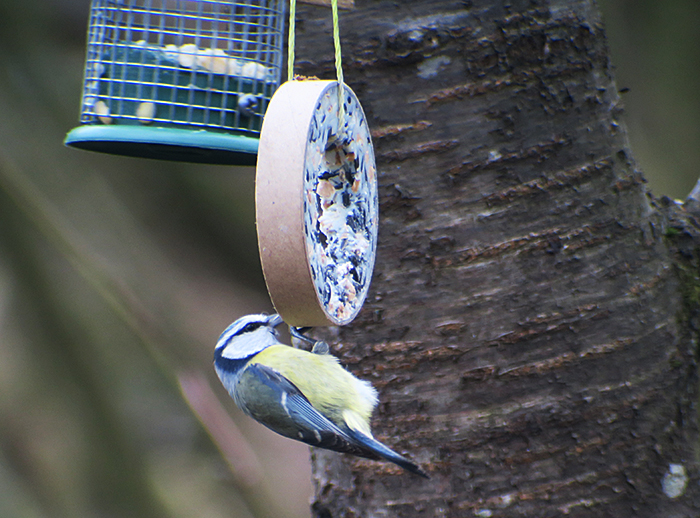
(316,204)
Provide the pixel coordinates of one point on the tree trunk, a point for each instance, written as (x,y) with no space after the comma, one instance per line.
(529,326)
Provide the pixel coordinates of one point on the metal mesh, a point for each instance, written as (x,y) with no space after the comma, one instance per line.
(205,64)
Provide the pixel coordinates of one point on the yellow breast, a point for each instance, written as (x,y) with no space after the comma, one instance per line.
(330,388)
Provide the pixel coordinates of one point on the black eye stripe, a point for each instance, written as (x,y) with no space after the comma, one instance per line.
(250,327)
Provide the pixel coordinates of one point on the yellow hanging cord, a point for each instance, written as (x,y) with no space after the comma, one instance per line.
(290,41)
(338,55)
(338,63)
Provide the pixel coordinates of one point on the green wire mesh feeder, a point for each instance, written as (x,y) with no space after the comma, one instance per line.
(180,80)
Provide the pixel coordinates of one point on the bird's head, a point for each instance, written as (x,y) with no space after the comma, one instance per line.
(247,336)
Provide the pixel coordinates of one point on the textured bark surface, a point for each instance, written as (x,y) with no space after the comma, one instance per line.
(526,328)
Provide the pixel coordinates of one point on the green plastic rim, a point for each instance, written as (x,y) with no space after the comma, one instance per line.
(182,145)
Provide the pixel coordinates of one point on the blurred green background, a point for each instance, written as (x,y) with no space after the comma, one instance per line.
(117,275)
(655,49)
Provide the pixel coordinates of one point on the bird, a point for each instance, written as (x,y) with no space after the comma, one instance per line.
(303,395)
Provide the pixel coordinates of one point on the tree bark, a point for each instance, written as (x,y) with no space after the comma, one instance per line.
(530,326)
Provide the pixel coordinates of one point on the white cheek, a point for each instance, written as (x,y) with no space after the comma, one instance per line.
(231,351)
(248,344)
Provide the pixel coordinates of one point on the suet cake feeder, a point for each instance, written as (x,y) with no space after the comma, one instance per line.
(316,199)
(180,80)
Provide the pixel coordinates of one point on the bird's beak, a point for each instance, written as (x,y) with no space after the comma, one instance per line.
(275,320)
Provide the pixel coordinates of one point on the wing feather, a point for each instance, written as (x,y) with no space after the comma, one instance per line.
(282,407)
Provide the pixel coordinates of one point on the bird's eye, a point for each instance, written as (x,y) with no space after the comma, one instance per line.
(250,327)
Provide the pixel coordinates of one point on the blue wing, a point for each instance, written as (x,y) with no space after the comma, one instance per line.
(278,404)
(274,401)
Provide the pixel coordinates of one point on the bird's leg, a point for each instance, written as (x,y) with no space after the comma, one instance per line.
(298,333)
(318,347)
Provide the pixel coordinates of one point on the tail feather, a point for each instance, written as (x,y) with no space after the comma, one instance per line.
(386,453)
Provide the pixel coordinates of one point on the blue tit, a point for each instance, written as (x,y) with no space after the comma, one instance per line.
(306,396)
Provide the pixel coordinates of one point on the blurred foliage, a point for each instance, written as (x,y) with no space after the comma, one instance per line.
(117,276)
(655,48)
